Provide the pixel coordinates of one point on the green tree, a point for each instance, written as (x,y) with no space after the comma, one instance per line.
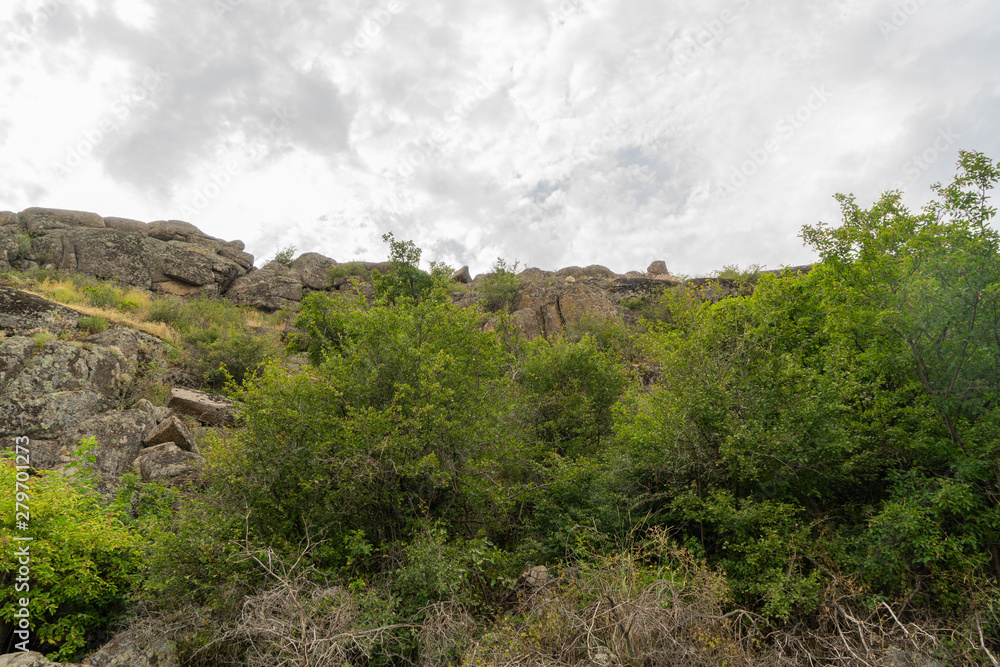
(914,302)
(83,562)
(405,280)
(407,413)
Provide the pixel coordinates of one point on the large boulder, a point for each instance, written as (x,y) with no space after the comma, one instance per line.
(168,463)
(592,271)
(534,273)
(462,276)
(203,406)
(175,230)
(50,385)
(24,314)
(171,430)
(583,302)
(313,270)
(38,220)
(167,256)
(657,267)
(202,269)
(145,646)
(10,229)
(101,253)
(9,219)
(120,436)
(270,288)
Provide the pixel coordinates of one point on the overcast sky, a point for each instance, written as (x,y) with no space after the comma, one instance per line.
(554,132)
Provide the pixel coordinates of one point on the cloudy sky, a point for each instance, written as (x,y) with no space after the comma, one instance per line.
(554,132)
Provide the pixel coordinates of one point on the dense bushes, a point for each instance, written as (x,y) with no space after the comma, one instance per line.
(499,286)
(83,563)
(220,343)
(809,476)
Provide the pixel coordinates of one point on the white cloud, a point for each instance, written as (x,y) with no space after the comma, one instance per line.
(557,131)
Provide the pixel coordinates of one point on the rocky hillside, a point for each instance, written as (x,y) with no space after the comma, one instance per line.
(62,383)
(175,257)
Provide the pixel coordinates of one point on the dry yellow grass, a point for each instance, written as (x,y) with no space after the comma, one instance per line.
(68,293)
(65,292)
(157,329)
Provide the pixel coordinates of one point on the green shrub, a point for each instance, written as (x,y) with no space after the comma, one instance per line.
(346,269)
(129,305)
(231,353)
(572,388)
(634,303)
(220,344)
(83,563)
(103,296)
(23,246)
(41,339)
(405,280)
(284,256)
(747,277)
(170,311)
(499,287)
(93,324)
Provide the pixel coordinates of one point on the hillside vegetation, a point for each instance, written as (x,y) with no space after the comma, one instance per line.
(806,473)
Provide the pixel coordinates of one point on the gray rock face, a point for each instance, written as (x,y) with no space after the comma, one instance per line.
(126,225)
(627,288)
(24,314)
(529,322)
(174,230)
(40,220)
(102,253)
(50,386)
(547,310)
(657,268)
(57,392)
(533,273)
(270,288)
(168,256)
